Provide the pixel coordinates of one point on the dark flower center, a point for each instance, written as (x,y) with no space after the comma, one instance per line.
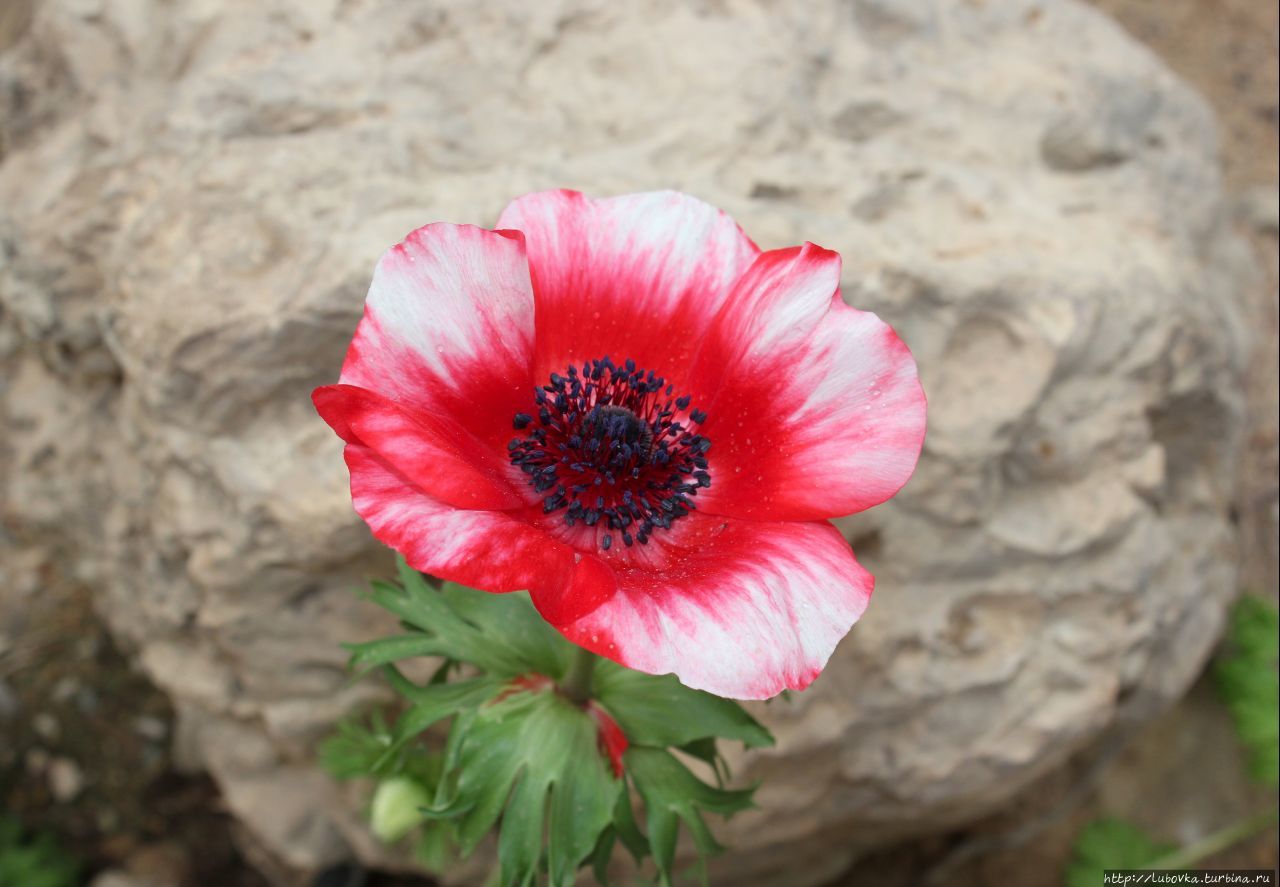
(606,447)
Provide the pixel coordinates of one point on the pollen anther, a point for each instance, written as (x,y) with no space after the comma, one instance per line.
(611,445)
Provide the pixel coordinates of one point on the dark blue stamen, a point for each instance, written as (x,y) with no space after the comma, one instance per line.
(611,429)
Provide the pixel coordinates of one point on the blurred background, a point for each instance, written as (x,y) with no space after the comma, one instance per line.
(1068,210)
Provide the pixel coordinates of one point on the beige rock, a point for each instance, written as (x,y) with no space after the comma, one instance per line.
(116,878)
(66,779)
(192,197)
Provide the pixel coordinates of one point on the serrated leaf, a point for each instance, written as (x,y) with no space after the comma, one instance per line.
(601,855)
(624,824)
(384,650)
(659,711)
(511,621)
(673,794)
(434,848)
(1110,844)
(501,634)
(355,749)
(534,754)
(434,703)
(1250,685)
(519,753)
(708,752)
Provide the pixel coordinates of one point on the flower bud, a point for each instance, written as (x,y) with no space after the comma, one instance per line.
(396,808)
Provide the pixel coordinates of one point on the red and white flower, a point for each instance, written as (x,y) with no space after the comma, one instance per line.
(628,409)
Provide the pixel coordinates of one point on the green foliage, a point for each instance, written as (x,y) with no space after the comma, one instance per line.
(407,772)
(500,634)
(33,860)
(532,759)
(357,749)
(519,755)
(1111,844)
(672,794)
(1250,686)
(659,711)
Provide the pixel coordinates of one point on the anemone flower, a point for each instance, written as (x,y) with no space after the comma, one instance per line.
(627,408)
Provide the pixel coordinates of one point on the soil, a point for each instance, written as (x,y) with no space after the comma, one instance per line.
(85,749)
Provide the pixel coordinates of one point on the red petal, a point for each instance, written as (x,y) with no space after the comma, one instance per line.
(738,608)
(613,742)
(814,408)
(489,550)
(592,584)
(434,453)
(639,276)
(448,329)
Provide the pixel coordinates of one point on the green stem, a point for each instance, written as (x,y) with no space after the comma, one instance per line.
(577,680)
(1185,857)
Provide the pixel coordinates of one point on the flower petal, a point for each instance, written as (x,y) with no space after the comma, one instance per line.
(494,551)
(639,276)
(814,408)
(739,608)
(613,742)
(434,453)
(448,328)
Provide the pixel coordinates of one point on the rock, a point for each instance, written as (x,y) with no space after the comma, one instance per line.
(36,761)
(1260,207)
(1112,124)
(192,197)
(46,726)
(150,728)
(66,779)
(153,865)
(66,687)
(116,878)
(159,865)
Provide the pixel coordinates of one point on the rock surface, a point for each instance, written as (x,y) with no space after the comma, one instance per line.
(192,197)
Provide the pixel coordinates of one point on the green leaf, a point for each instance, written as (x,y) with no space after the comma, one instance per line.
(659,711)
(624,824)
(672,794)
(380,652)
(534,754)
(434,848)
(511,622)
(601,855)
(1249,684)
(434,703)
(355,750)
(1110,844)
(33,860)
(705,750)
(519,755)
(501,634)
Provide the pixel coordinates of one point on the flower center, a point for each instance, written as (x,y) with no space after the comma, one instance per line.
(606,447)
